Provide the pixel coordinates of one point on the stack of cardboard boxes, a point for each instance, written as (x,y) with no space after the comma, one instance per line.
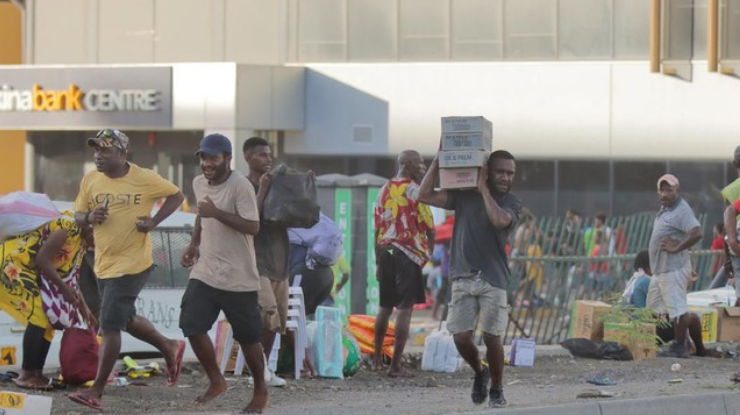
(466,144)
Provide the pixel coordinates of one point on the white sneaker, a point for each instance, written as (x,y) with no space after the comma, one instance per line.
(273,380)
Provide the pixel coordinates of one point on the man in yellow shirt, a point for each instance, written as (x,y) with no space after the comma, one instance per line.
(117,200)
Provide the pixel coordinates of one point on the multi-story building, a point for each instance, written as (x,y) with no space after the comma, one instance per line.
(596,98)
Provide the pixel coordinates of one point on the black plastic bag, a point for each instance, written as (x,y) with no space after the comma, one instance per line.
(291,201)
(593,350)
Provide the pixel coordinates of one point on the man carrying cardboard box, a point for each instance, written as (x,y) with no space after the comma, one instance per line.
(479,271)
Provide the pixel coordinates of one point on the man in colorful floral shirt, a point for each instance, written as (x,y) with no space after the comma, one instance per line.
(404,237)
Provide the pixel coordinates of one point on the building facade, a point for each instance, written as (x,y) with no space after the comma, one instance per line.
(570,86)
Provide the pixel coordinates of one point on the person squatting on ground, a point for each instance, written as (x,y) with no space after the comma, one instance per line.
(479,269)
(404,238)
(53,252)
(225,276)
(635,294)
(272,248)
(675,230)
(117,199)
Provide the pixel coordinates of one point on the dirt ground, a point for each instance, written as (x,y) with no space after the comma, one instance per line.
(553,380)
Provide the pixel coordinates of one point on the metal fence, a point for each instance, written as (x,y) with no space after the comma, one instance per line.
(556,262)
(168,245)
(550,268)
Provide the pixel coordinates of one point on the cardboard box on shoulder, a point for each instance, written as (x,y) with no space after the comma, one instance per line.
(586,320)
(728,324)
(462,178)
(642,347)
(476,124)
(467,158)
(708,316)
(466,141)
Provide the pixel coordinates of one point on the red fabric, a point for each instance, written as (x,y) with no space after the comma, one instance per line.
(718,244)
(78,355)
(443,232)
(401,220)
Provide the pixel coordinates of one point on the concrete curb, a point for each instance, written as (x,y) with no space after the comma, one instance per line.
(706,404)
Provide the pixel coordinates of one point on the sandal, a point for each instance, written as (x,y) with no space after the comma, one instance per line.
(735,377)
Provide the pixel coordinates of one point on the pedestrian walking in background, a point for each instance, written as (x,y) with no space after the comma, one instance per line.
(404,238)
(479,269)
(272,247)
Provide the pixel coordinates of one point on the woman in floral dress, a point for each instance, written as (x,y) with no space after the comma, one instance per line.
(53,252)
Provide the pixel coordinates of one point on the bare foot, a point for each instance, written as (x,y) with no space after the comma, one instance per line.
(173,360)
(32,383)
(212,392)
(399,373)
(377,365)
(258,404)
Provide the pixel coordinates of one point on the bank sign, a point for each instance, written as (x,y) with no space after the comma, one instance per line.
(65,98)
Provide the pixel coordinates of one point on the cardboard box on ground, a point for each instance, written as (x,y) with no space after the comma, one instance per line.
(586,320)
(221,332)
(641,347)
(728,324)
(14,403)
(708,316)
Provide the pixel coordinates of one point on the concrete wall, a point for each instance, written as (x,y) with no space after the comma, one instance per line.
(586,110)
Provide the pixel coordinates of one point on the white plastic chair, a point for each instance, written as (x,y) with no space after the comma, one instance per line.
(296,322)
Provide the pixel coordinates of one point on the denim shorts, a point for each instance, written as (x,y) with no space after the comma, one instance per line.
(118,299)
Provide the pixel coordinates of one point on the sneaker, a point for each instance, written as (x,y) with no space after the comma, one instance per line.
(676,350)
(497,399)
(272,379)
(480,386)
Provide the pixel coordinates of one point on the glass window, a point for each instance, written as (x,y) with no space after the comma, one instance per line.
(732,31)
(530,29)
(534,184)
(372,30)
(477,29)
(631,29)
(634,186)
(677,30)
(322,30)
(584,29)
(424,30)
(584,185)
(700,29)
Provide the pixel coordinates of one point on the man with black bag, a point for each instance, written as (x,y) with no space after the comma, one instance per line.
(272,247)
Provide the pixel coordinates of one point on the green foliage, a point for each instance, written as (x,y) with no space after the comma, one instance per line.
(632,321)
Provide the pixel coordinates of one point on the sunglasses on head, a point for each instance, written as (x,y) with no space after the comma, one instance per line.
(109,132)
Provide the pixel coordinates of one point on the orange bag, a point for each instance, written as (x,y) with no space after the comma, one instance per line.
(367,336)
(387,350)
(368,322)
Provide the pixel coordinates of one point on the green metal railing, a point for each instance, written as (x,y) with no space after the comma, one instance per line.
(555,262)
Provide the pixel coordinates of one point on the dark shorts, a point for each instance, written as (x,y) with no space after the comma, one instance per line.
(118,299)
(201,305)
(88,284)
(400,279)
